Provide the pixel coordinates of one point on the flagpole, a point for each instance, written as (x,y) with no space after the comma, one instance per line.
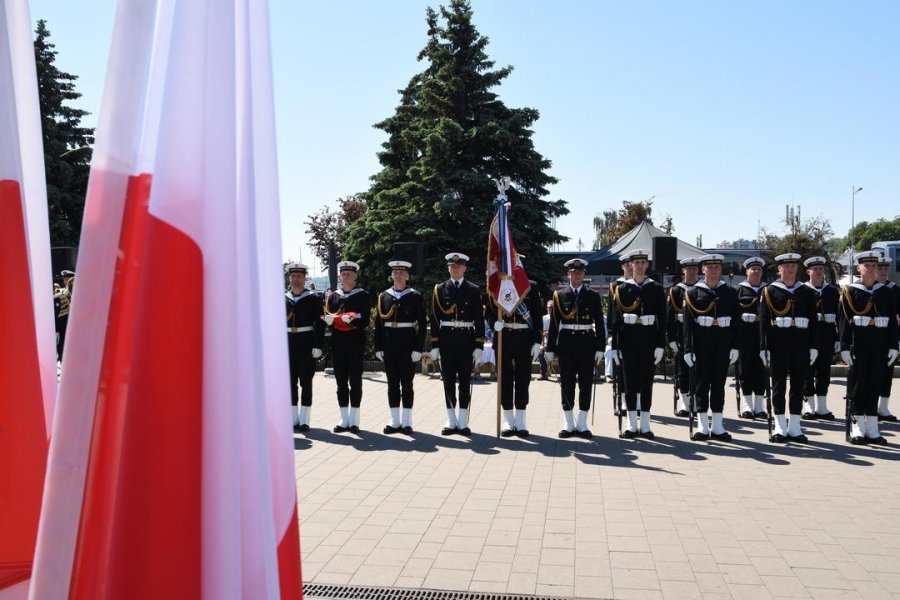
(499,369)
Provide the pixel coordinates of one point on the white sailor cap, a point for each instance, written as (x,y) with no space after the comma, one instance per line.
(689,262)
(67,273)
(869,256)
(884,260)
(815,261)
(348,265)
(639,254)
(400,265)
(297,268)
(456,258)
(787,258)
(624,258)
(711,259)
(754,261)
(576,264)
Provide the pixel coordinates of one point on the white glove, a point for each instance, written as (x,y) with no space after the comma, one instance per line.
(316,352)
(837,347)
(764,356)
(892,356)
(609,341)
(329,320)
(673,346)
(597,356)
(733,355)
(346,319)
(415,356)
(657,356)
(616,356)
(435,354)
(813,355)
(847,358)
(379,354)
(476,355)
(690,358)
(535,351)
(549,356)
(498,325)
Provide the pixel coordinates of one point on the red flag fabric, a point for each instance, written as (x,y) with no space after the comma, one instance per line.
(507,279)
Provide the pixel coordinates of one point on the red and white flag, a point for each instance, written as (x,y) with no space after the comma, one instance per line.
(171,471)
(27,353)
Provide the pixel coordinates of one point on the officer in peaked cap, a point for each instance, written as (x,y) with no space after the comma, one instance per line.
(753,374)
(787,314)
(611,368)
(819,377)
(869,342)
(675,328)
(306,336)
(577,335)
(347,313)
(710,344)
(638,337)
(400,325)
(884,414)
(457,339)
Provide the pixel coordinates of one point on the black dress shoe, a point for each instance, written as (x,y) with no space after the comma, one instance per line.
(354,429)
(408,430)
(508,433)
(391,430)
(649,435)
(888,418)
(682,413)
(565,433)
(449,430)
(747,415)
(465,431)
(340,429)
(858,440)
(586,434)
(523,433)
(722,437)
(303,428)
(628,435)
(809,416)
(777,439)
(700,437)
(879,441)
(798,439)
(829,416)
(761,415)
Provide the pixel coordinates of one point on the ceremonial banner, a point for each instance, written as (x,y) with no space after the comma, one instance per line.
(507,280)
(171,471)
(27,352)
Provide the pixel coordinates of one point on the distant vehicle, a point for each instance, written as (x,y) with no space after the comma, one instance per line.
(891,249)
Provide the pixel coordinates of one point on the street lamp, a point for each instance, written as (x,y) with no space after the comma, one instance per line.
(854,190)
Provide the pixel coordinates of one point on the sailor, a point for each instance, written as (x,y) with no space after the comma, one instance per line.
(675,326)
(610,367)
(819,378)
(787,314)
(638,337)
(400,325)
(62,301)
(457,339)
(347,312)
(884,414)
(576,336)
(750,366)
(521,346)
(306,337)
(869,337)
(710,344)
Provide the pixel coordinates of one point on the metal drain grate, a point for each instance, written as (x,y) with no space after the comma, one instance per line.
(353,592)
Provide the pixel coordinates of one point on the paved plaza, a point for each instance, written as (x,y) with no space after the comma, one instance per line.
(605,518)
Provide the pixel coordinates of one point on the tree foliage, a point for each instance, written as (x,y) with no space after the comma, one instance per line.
(809,237)
(448,140)
(865,234)
(604,224)
(611,225)
(67,153)
(327,225)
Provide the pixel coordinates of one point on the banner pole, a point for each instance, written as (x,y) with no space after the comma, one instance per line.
(498,353)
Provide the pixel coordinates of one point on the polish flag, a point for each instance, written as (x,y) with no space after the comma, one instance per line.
(171,469)
(27,352)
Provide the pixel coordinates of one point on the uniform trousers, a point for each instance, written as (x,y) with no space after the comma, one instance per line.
(516,369)
(576,367)
(712,351)
(347,352)
(819,377)
(302,367)
(456,366)
(400,370)
(789,350)
(753,373)
(637,343)
(865,380)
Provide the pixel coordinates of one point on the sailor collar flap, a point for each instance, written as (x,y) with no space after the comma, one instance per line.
(397,294)
(296,299)
(860,286)
(790,290)
(647,281)
(814,288)
(755,288)
(342,294)
(685,286)
(702,284)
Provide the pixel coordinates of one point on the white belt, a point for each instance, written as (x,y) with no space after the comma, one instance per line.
(577,327)
(864,321)
(399,325)
(827,317)
(516,326)
(714,321)
(634,319)
(749,317)
(300,329)
(679,317)
(786,322)
(458,324)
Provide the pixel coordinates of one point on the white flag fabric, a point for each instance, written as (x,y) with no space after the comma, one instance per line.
(27,353)
(171,471)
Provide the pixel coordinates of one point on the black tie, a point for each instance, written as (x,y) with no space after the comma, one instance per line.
(456,284)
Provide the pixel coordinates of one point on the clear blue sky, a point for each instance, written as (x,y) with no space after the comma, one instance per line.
(725,111)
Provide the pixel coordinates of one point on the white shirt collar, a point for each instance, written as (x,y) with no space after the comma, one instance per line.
(458,282)
(399,293)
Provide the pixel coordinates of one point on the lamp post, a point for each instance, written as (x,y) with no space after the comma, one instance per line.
(854,190)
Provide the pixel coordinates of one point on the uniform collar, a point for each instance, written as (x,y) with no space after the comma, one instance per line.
(703,284)
(459,281)
(578,289)
(792,289)
(755,288)
(399,293)
(685,286)
(344,294)
(642,284)
(860,286)
(301,296)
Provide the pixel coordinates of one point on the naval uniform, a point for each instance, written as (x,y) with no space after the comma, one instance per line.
(819,377)
(885,391)
(348,342)
(521,331)
(788,340)
(751,368)
(305,331)
(612,370)
(457,330)
(400,325)
(675,332)
(61,302)
(710,333)
(637,331)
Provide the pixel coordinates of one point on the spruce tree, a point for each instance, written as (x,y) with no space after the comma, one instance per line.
(67,154)
(449,139)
